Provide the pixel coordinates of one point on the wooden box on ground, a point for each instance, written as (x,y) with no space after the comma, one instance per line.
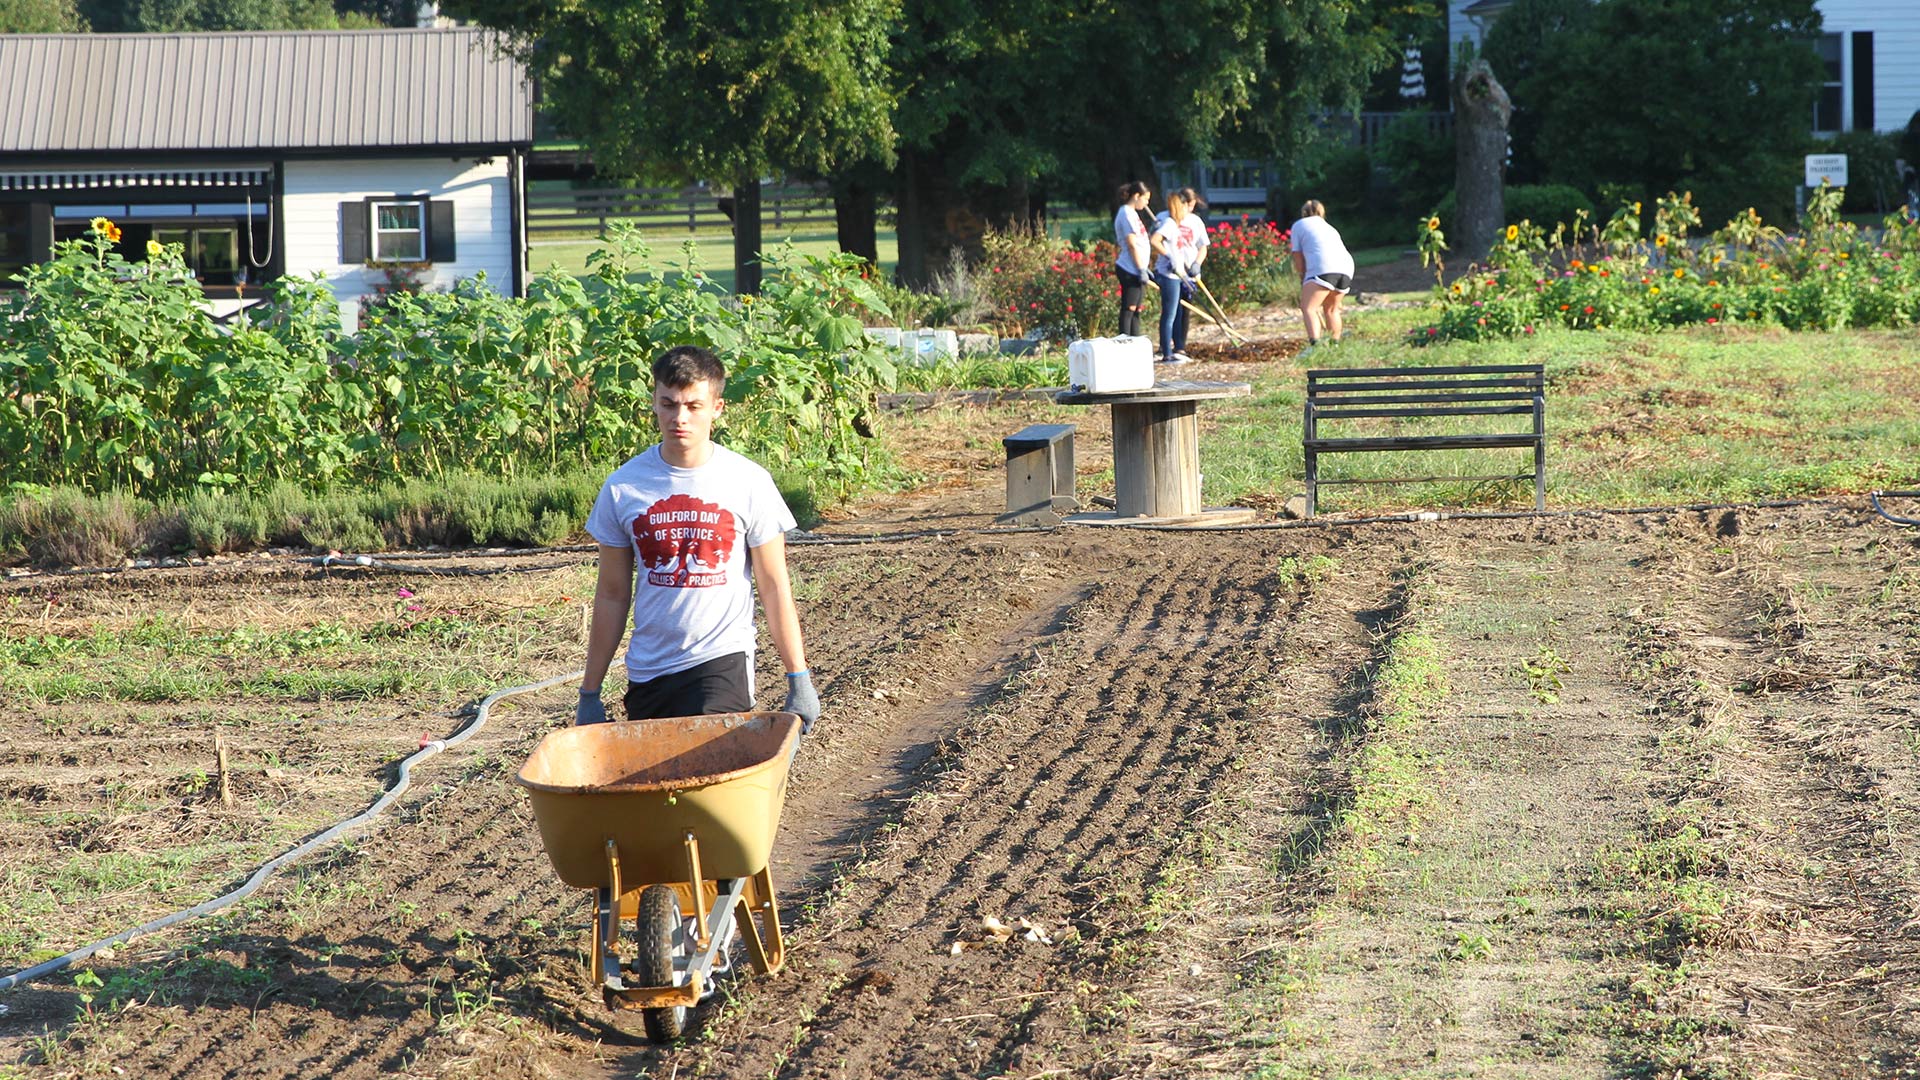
(1039,475)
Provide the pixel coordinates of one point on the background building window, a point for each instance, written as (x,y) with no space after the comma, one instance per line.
(15,240)
(399,232)
(1829,108)
(213,254)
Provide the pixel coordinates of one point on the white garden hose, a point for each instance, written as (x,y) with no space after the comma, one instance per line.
(260,876)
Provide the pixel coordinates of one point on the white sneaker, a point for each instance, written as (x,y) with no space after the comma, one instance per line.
(1181,358)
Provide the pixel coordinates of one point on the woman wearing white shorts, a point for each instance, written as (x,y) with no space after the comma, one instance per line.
(1325,268)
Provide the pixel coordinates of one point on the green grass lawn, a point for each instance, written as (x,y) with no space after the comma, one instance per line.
(713,249)
(1632,419)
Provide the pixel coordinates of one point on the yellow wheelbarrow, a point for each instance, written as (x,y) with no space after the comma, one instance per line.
(671,823)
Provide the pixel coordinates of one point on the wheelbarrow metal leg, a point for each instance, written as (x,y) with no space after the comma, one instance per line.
(701,935)
(765,947)
(606,923)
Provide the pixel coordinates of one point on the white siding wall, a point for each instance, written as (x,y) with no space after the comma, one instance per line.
(1459,26)
(481,219)
(1896,53)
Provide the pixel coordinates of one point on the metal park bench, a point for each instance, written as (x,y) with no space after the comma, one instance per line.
(1469,390)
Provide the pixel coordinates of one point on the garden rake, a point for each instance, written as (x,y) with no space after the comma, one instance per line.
(1225,324)
(1230,331)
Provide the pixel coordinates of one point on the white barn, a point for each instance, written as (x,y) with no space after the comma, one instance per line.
(1871,49)
(354,155)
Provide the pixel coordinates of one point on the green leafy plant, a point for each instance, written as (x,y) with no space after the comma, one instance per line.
(114,378)
(1542,673)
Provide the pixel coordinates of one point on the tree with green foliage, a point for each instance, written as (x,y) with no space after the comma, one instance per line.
(1006,102)
(729,91)
(187,16)
(1635,98)
(1512,48)
(40,17)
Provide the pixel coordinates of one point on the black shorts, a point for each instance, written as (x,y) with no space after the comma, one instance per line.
(721,685)
(1339,283)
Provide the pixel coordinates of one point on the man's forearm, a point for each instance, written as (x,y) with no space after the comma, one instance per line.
(770,580)
(603,639)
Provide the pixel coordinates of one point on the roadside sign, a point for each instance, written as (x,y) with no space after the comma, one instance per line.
(1827,168)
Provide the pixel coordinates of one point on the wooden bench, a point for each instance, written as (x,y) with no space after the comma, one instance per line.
(1468,390)
(1040,476)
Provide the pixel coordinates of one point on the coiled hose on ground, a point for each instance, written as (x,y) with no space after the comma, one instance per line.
(260,876)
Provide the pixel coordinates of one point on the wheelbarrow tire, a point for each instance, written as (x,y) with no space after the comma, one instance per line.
(654,930)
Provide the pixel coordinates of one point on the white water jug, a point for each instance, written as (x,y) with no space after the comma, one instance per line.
(1110,365)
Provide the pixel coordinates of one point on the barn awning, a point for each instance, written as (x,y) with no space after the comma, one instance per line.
(99,179)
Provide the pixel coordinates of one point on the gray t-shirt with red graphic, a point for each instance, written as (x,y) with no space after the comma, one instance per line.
(690,530)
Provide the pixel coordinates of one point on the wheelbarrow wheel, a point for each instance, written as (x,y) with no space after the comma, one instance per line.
(655,930)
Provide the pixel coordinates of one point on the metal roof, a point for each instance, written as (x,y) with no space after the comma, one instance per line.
(292,90)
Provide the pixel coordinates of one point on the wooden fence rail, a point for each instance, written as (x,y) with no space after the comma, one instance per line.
(671,209)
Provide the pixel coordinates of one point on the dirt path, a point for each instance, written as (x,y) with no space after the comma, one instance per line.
(1790,647)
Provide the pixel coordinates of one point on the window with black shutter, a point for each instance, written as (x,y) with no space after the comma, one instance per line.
(1862,80)
(397,228)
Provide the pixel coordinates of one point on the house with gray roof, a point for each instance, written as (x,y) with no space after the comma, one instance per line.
(360,156)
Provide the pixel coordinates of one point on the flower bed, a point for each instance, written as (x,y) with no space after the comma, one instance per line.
(1832,275)
(1248,264)
(1033,282)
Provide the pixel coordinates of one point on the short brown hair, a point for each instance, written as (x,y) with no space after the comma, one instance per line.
(684,365)
(1312,208)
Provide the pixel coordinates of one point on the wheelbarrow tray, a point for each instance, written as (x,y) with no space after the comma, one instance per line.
(646,784)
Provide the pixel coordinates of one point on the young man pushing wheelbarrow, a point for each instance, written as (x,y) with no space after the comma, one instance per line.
(688,531)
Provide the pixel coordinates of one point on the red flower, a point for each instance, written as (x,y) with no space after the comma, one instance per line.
(1588,309)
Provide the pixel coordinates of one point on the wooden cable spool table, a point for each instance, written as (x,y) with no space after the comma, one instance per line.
(1156,447)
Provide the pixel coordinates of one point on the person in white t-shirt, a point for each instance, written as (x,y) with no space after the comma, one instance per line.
(1130,237)
(688,530)
(1177,247)
(1325,268)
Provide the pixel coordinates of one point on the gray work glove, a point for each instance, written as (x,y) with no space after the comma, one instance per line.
(591,709)
(802,700)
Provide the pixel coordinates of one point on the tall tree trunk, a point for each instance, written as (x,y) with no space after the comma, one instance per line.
(939,218)
(855,219)
(910,225)
(1481,111)
(746,236)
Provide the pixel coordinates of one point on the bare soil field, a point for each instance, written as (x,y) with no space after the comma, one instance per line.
(1601,795)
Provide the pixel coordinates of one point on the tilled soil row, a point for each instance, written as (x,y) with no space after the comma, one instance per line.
(1254,858)
(1060,803)
(443,939)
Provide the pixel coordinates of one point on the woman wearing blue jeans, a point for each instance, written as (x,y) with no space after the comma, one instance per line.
(1176,249)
